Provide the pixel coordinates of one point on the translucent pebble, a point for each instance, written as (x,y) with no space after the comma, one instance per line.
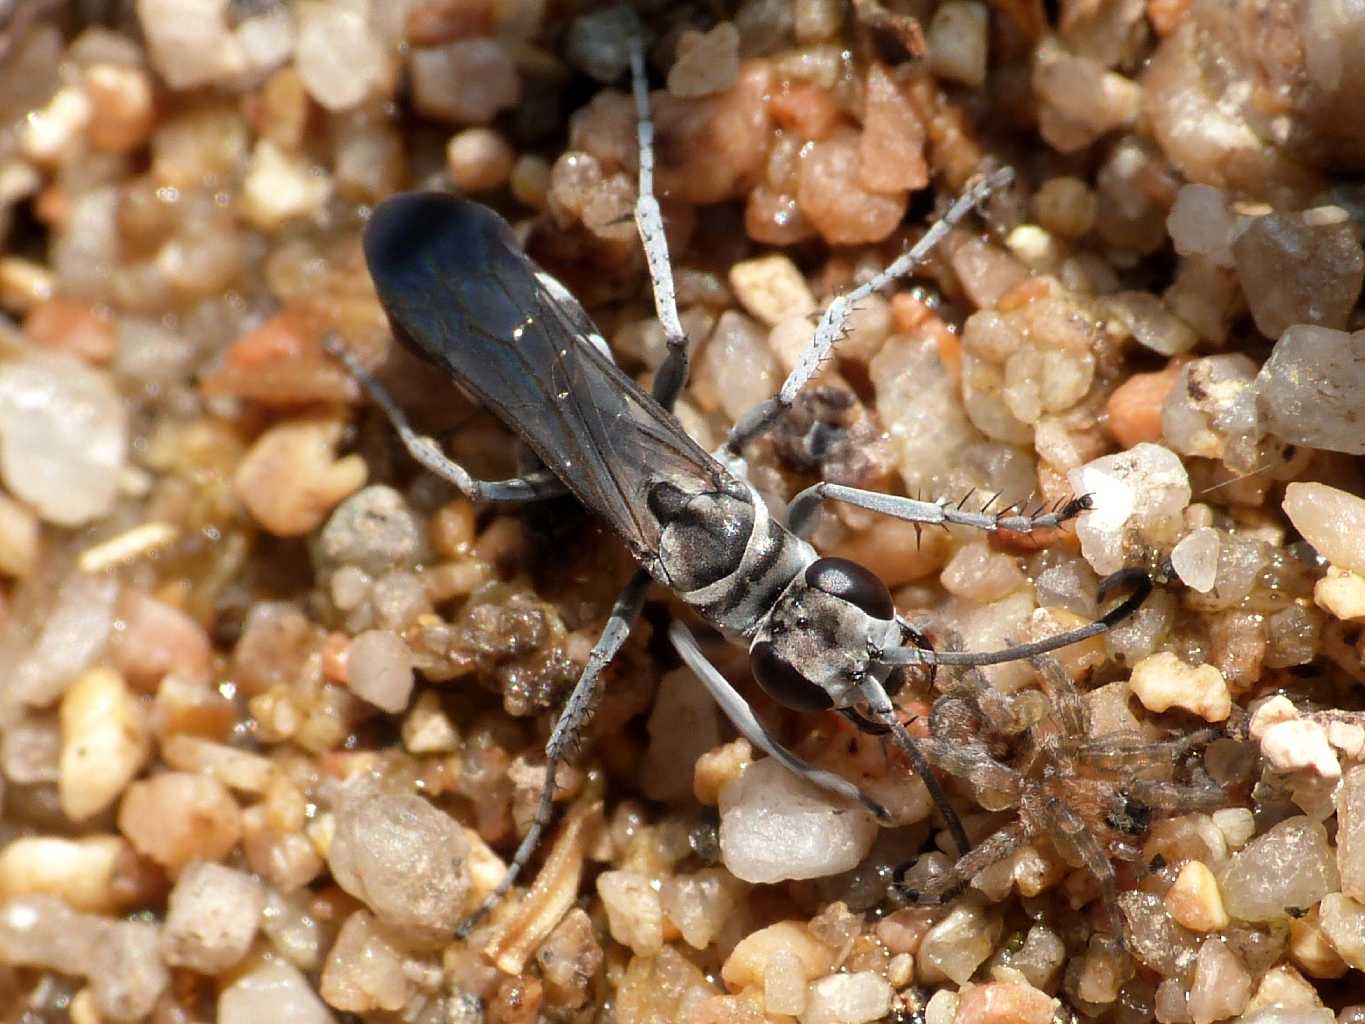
(1040,957)
(339,59)
(1310,388)
(1201,224)
(942,1007)
(123,111)
(634,913)
(86,244)
(373,530)
(917,401)
(1152,324)
(42,931)
(957,945)
(1333,521)
(190,42)
(403,858)
(1221,986)
(784,983)
(74,632)
(986,271)
(892,145)
(979,574)
(105,742)
(1157,940)
(1195,558)
(212,916)
(63,436)
(291,478)
(834,199)
(1139,492)
(1289,868)
(266,39)
(1351,833)
(774,826)
(772,289)
(1064,206)
(1342,920)
(127,976)
(175,818)
(747,962)
(364,970)
(379,669)
(479,159)
(848,999)
(370,162)
(599,43)
(736,370)
(682,726)
(89,873)
(1212,412)
(699,904)
(706,62)
(1299,268)
(958,42)
(281,186)
(273,990)
(465,82)
(1081,99)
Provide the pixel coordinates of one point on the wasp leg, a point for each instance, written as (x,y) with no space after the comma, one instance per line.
(534,486)
(737,709)
(565,736)
(672,373)
(760,418)
(801,511)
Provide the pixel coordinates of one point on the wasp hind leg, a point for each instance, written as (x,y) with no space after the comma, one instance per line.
(535,486)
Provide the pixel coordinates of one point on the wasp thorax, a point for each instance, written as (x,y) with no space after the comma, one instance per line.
(704,535)
(817,644)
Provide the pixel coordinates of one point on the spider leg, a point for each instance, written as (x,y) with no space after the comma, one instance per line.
(879,704)
(1070,832)
(947,887)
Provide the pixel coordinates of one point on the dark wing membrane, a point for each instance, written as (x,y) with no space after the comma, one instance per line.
(456,285)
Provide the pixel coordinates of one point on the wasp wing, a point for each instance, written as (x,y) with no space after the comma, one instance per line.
(459,290)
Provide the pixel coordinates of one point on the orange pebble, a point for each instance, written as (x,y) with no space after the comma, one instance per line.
(805,109)
(1134,409)
(72,327)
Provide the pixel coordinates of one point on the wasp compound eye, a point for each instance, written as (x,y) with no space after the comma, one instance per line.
(849,581)
(783,683)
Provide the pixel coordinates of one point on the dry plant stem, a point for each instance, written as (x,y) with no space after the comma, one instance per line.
(552,895)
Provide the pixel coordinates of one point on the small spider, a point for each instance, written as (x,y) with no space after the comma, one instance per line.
(1093,798)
